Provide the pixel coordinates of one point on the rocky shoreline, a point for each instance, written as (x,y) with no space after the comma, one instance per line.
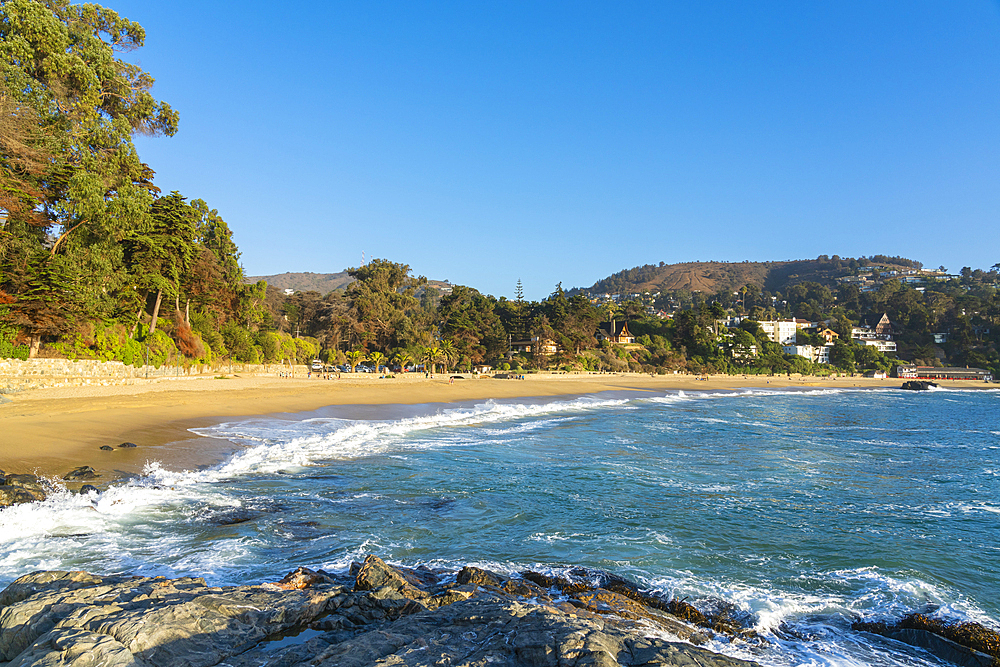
(382,615)
(377,615)
(27,488)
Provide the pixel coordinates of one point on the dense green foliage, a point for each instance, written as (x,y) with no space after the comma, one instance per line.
(89,251)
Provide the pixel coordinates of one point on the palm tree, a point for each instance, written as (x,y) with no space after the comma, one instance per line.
(354,358)
(431,355)
(402,358)
(448,353)
(376,358)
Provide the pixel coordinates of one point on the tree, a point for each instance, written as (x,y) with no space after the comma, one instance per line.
(520,316)
(402,358)
(448,353)
(842,355)
(743,346)
(79,105)
(383,302)
(431,355)
(470,322)
(160,257)
(354,357)
(580,324)
(377,358)
(71,183)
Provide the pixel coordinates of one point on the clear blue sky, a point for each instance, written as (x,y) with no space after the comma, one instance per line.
(485,142)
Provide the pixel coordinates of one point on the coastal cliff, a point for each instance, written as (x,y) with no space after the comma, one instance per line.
(376,615)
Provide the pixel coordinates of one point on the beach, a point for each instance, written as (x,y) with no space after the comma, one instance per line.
(51,431)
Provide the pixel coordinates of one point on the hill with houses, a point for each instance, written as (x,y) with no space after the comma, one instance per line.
(777,276)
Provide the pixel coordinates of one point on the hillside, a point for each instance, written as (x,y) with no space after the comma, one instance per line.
(711,277)
(324,283)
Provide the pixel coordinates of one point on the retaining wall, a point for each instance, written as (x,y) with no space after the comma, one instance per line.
(17,375)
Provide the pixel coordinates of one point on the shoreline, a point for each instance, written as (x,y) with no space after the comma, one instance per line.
(51,431)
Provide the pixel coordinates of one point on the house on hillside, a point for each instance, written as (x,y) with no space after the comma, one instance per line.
(878,335)
(818,354)
(780,331)
(616,332)
(534,345)
(829,335)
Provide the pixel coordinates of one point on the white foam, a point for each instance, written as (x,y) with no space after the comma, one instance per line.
(135,517)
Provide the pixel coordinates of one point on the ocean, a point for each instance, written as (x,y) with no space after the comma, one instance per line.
(802,510)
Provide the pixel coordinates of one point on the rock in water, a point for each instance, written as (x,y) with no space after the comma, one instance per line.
(387,615)
(967,644)
(107,448)
(29,482)
(128,445)
(12,495)
(87,488)
(918,385)
(16,489)
(83,472)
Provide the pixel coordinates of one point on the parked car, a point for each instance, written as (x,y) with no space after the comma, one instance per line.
(317,366)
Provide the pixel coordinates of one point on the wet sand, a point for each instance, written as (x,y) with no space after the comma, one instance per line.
(51,431)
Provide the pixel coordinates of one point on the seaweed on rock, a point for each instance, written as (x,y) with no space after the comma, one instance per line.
(978,639)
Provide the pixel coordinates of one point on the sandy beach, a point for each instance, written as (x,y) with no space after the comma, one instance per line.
(51,431)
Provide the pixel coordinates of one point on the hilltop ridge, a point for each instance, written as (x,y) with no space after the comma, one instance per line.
(731,276)
(324,283)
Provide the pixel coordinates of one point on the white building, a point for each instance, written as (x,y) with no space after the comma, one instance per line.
(780,331)
(879,336)
(882,346)
(819,354)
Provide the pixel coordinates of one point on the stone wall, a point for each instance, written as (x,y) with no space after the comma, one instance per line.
(17,375)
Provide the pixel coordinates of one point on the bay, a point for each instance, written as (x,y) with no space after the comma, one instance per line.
(802,510)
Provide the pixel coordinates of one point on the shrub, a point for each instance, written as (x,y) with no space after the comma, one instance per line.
(240,344)
(8,348)
(188,342)
(161,348)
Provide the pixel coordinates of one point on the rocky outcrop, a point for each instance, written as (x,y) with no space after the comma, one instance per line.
(83,472)
(15,489)
(965,644)
(377,615)
(918,385)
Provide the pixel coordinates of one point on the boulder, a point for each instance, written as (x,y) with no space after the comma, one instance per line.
(83,472)
(303,578)
(87,488)
(17,489)
(965,644)
(918,385)
(107,448)
(29,482)
(11,495)
(128,445)
(375,574)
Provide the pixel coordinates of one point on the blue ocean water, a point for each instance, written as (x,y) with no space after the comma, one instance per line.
(806,510)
